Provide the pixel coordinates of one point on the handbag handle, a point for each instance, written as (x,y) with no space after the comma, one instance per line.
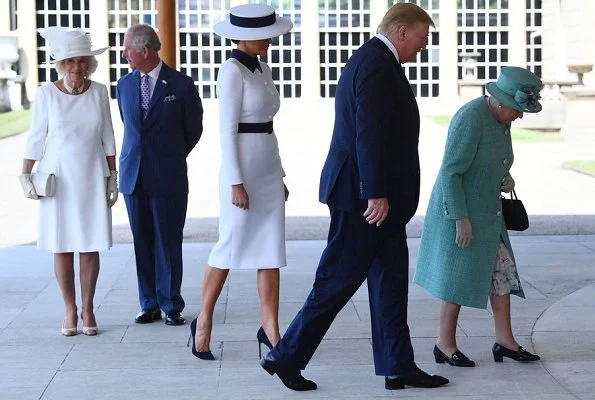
(513,195)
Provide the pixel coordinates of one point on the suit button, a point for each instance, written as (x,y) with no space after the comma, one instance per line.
(499,213)
(506,132)
(505,161)
(445,212)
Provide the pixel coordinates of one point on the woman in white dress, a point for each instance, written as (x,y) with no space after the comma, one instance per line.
(252,193)
(71,136)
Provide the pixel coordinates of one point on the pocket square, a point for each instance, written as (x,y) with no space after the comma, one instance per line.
(169,98)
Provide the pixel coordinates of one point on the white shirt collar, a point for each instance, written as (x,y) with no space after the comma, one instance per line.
(388,44)
(154,73)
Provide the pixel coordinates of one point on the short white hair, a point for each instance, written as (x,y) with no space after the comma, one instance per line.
(91,66)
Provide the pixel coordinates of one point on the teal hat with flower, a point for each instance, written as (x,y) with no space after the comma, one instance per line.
(517,88)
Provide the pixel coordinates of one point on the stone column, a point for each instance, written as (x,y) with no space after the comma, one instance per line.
(377,10)
(517,24)
(27,31)
(448,53)
(99,32)
(310,52)
(4,15)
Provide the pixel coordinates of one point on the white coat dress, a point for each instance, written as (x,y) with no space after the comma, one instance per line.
(71,136)
(253,238)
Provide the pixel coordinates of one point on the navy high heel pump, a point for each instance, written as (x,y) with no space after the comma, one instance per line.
(262,338)
(203,355)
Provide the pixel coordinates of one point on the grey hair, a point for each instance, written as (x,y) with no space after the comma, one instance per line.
(143,35)
(402,14)
(91,66)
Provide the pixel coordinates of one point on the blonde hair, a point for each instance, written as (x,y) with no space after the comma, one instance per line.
(91,66)
(402,14)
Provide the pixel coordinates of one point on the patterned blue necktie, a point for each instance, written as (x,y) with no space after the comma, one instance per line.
(145,95)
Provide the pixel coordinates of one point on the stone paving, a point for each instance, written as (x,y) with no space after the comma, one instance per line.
(131,361)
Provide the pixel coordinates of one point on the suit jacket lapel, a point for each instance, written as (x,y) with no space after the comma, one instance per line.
(135,92)
(160,87)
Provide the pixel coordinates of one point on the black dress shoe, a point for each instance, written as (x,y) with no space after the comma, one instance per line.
(291,378)
(146,316)
(457,359)
(174,318)
(521,355)
(417,378)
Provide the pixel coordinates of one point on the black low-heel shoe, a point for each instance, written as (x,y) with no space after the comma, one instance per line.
(291,378)
(262,338)
(203,355)
(522,355)
(457,359)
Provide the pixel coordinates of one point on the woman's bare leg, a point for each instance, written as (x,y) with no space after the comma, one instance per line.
(64,271)
(268,290)
(89,272)
(449,316)
(212,284)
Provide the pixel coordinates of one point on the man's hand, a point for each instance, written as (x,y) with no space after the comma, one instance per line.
(28,188)
(507,184)
(464,232)
(239,196)
(377,211)
(112,188)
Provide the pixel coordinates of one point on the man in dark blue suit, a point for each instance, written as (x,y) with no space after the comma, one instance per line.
(370,182)
(162,115)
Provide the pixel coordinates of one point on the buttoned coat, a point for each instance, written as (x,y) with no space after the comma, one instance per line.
(478,154)
(159,144)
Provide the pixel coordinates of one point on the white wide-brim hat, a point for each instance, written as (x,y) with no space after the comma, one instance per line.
(253,22)
(65,43)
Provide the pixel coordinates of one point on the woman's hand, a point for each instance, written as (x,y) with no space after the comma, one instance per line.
(507,184)
(286,192)
(239,196)
(464,232)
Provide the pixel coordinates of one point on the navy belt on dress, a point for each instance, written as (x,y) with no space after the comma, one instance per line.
(256,127)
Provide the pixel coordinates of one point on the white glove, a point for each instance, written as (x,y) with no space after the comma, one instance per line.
(112,188)
(28,188)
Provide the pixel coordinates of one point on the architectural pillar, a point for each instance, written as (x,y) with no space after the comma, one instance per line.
(4,16)
(166,23)
(377,10)
(99,32)
(27,31)
(448,82)
(517,23)
(310,51)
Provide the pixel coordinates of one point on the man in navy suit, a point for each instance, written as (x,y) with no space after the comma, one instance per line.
(162,115)
(370,182)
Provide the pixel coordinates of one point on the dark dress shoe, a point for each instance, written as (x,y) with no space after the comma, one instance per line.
(521,355)
(174,318)
(457,359)
(146,316)
(417,378)
(203,355)
(291,378)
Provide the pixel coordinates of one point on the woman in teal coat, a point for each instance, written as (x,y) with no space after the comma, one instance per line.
(465,254)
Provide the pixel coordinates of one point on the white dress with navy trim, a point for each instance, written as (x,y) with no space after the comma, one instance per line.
(253,238)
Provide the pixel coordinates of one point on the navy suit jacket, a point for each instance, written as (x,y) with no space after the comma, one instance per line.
(159,144)
(374,147)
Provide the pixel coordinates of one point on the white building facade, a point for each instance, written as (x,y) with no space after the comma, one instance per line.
(472,40)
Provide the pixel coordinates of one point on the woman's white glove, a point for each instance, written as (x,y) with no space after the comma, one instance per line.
(112,188)
(507,184)
(28,188)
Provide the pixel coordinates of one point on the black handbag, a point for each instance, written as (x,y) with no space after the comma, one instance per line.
(515,215)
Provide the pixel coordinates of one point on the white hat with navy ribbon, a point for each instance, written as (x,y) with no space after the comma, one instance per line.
(253,22)
(67,43)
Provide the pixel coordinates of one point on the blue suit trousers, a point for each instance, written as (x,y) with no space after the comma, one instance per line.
(157,224)
(356,251)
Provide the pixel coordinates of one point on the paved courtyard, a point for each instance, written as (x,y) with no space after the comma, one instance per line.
(130,361)
(556,259)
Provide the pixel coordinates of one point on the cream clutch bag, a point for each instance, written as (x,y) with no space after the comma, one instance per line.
(45,184)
